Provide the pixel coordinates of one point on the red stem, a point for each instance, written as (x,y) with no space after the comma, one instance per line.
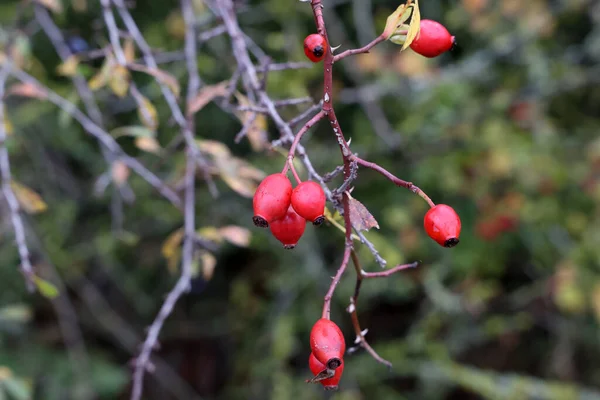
(364,49)
(388,272)
(302,131)
(394,179)
(291,164)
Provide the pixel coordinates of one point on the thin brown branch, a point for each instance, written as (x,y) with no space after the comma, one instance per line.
(394,179)
(364,49)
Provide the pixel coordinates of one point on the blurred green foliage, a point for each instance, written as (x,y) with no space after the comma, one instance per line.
(504,129)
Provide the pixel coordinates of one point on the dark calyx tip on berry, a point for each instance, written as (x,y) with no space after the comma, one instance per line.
(334,363)
(260,221)
(451,242)
(289,246)
(319,220)
(318,51)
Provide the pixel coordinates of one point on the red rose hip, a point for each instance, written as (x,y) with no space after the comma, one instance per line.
(318,368)
(432,40)
(442,224)
(315,47)
(271,199)
(308,200)
(327,343)
(288,229)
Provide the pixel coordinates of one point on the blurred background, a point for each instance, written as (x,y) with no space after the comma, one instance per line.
(504,128)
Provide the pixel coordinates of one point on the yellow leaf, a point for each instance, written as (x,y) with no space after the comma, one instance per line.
(246,170)
(175,25)
(415,24)
(243,187)
(210,233)
(119,80)
(171,249)
(257,135)
(8,126)
(148,144)
(236,235)
(45,288)
(69,66)
(568,295)
(31,202)
(206,95)
(214,148)
(79,5)
(100,79)
(120,172)
(129,50)
(52,5)
(27,90)
(209,262)
(161,76)
(146,111)
(395,19)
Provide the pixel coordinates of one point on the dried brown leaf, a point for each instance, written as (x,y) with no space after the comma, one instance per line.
(236,235)
(53,5)
(148,144)
(31,201)
(161,76)
(69,66)
(206,95)
(119,80)
(361,217)
(27,90)
(146,111)
(120,172)
(209,262)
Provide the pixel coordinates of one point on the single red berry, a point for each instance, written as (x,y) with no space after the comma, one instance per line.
(288,229)
(271,199)
(315,47)
(308,200)
(432,40)
(317,367)
(442,224)
(327,343)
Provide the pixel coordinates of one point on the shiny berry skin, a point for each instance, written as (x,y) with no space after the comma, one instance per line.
(308,200)
(316,367)
(327,343)
(442,224)
(288,229)
(271,199)
(315,47)
(432,40)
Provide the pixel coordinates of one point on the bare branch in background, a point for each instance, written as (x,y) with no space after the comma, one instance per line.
(9,194)
(142,362)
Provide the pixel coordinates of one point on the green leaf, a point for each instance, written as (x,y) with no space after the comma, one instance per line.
(20,313)
(17,389)
(46,288)
(134,131)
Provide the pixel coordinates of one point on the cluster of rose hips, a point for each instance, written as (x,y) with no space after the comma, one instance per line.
(285,210)
(326,361)
(432,40)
